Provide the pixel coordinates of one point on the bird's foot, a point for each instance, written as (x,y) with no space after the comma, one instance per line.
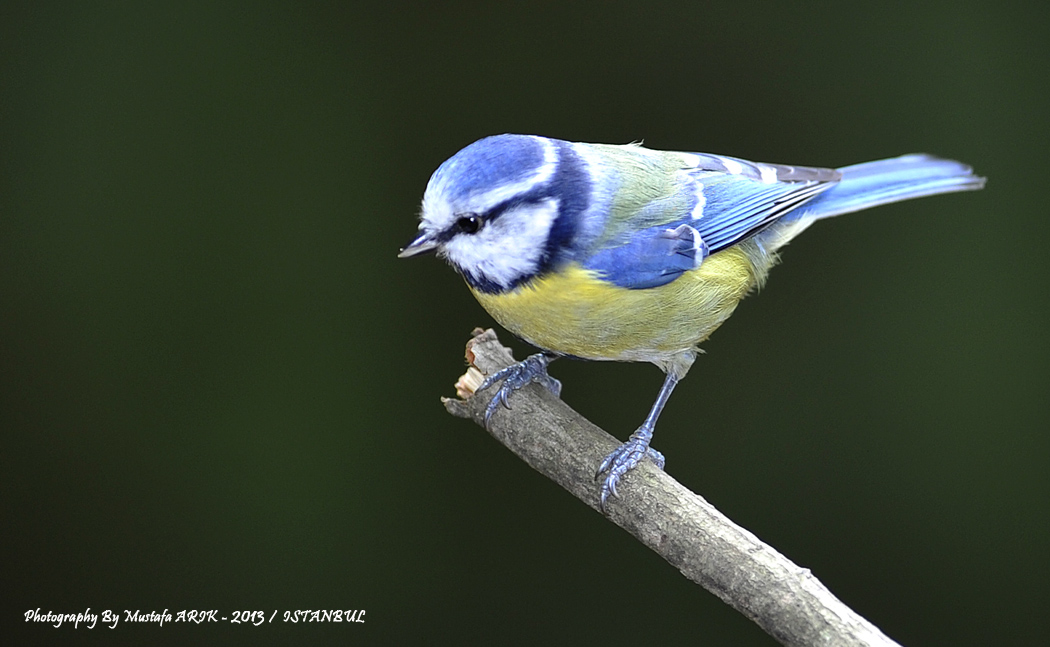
(624,459)
(531,369)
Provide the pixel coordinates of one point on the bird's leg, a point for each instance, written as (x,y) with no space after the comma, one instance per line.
(627,456)
(531,369)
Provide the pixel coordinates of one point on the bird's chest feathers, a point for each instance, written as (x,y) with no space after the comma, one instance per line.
(575,312)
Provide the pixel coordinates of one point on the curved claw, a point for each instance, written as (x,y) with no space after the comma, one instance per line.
(624,459)
(531,369)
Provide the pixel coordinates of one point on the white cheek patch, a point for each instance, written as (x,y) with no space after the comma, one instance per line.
(509,247)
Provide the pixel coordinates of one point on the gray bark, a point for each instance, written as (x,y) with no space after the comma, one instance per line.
(787,601)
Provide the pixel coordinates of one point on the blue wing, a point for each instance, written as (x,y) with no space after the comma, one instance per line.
(734,199)
(651,258)
(742,198)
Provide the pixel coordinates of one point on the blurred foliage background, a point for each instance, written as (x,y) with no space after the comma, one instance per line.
(219,387)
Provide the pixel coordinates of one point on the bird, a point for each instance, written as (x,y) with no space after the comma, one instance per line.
(618,252)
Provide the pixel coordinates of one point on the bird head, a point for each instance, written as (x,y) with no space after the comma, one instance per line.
(503,209)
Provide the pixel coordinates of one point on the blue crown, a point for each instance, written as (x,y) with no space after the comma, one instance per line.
(488,163)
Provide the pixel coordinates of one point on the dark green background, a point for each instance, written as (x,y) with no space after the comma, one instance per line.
(219,387)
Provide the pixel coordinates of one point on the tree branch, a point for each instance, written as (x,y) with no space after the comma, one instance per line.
(784,599)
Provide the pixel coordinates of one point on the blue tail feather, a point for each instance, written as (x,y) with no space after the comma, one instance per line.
(891,180)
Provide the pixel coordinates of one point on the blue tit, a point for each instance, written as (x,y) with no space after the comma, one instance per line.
(619,252)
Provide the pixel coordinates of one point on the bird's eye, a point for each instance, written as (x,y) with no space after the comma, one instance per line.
(469,223)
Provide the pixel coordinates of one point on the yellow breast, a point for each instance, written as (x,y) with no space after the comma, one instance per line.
(576,313)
